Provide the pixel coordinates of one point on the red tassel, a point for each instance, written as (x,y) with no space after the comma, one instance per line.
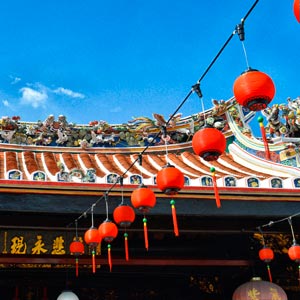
(94,260)
(172,202)
(264,138)
(269,272)
(146,234)
(126,246)
(76,266)
(17,293)
(45,297)
(218,202)
(109,257)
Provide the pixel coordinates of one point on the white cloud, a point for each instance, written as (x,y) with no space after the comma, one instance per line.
(5,103)
(115,109)
(67,92)
(33,97)
(15,79)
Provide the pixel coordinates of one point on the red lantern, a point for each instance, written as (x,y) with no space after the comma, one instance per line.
(267,255)
(209,143)
(76,249)
(254,90)
(263,289)
(143,199)
(108,232)
(297,9)
(93,238)
(170,180)
(124,215)
(294,253)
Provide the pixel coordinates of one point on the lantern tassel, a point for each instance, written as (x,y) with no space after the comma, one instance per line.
(264,137)
(94,260)
(45,293)
(17,293)
(269,273)
(76,266)
(109,257)
(174,216)
(218,202)
(146,234)
(126,246)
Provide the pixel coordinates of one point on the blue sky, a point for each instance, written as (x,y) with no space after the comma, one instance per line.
(115,60)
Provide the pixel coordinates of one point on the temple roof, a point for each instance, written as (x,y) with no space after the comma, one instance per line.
(58,151)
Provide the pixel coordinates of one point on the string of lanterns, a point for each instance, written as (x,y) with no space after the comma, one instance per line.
(266,254)
(252,89)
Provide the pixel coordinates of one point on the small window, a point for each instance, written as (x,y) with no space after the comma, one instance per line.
(186,180)
(230,181)
(276,183)
(39,176)
(112,178)
(206,181)
(297,182)
(135,179)
(14,175)
(252,182)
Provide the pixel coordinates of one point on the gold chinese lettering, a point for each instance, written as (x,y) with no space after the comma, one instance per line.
(18,245)
(58,246)
(39,244)
(274,293)
(253,294)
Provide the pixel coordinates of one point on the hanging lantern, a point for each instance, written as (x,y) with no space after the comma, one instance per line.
(108,232)
(92,238)
(170,181)
(67,295)
(257,288)
(294,253)
(254,90)
(143,199)
(297,9)
(76,249)
(124,215)
(209,143)
(267,255)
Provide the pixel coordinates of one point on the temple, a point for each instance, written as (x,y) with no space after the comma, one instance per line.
(57,178)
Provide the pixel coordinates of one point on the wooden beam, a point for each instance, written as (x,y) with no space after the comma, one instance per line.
(15,260)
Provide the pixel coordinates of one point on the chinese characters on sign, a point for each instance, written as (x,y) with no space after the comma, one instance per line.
(34,243)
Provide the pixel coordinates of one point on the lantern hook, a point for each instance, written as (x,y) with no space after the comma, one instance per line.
(121,184)
(197,90)
(292,230)
(262,236)
(106,205)
(76,230)
(92,214)
(240,30)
